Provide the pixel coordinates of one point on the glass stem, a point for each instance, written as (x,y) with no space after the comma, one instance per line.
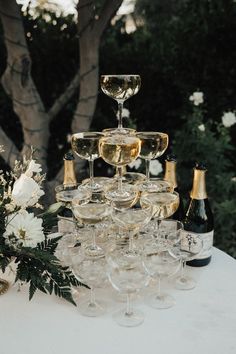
(128,311)
(92,296)
(157,225)
(131,241)
(147,162)
(159,286)
(91,172)
(182,270)
(120,112)
(119,169)
(94,234)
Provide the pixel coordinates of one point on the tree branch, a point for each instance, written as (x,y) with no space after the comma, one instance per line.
(62,100)
(10,153)
(109,9)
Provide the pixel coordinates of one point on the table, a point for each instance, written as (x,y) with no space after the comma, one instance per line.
(202,321)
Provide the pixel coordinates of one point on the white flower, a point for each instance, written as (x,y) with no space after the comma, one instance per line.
(68,138)
(228,119)
(135,164)
(233,179)
(25,227)
(125,113)
(155,167)
(26,192)
(1,148)
(201,127)
(197,98)
(33,167)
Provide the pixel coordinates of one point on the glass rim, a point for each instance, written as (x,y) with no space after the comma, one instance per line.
(87,134)
(120,75)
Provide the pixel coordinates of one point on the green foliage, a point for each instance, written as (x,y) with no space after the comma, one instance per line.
(213,147)
(41,269)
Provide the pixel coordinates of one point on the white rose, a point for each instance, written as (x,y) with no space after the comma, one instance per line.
(135,164)
(196,98)
(228,119)
(26,192)
(155,167)
(33,167)
(25,227)
(201,127)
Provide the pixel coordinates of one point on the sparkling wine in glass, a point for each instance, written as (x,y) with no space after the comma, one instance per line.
(89,214)
(164,205)
(120,88)
(85,145)
(119,150)
(153,145)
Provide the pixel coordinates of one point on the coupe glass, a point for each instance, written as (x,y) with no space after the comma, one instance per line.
(119,150)
(85,145)
(164,206)
(93,273)
(120,88)
(89,214)
(132,220)
(153,145)
(189,247)
(128,276)
(159,263)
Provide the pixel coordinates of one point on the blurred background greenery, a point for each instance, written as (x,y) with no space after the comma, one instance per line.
(178,47)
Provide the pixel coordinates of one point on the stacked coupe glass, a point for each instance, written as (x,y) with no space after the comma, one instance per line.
(124,236)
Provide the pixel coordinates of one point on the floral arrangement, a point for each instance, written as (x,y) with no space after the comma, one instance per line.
(24,237)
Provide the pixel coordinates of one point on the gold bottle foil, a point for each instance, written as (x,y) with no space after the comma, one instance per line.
(69,174)
(170,173)
(199,185)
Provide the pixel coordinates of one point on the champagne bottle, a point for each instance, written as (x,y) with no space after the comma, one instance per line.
(170,176)
(65,194)
(199,217)
(69,181)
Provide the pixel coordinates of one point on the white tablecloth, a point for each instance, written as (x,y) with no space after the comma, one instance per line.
(202,321)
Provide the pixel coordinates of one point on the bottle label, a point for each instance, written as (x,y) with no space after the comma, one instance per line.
(207,239)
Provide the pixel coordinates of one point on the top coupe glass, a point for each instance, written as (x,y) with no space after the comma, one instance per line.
(120,88)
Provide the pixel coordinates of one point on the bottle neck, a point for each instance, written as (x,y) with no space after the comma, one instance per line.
(69,174)
(170,173)
(199,185)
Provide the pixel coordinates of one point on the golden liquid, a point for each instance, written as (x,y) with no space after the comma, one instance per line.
(120,87)
(153,144)
(164,204)
(91,213)
(119,151)
(85,145)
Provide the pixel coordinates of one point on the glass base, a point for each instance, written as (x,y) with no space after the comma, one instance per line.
(91,309)
(184,283)
(162,301)
(125,198)
(155,185)
(132,319)
(94,251)
(98,183)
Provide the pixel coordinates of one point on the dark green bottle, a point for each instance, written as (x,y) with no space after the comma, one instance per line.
(199,217)
(170,176)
